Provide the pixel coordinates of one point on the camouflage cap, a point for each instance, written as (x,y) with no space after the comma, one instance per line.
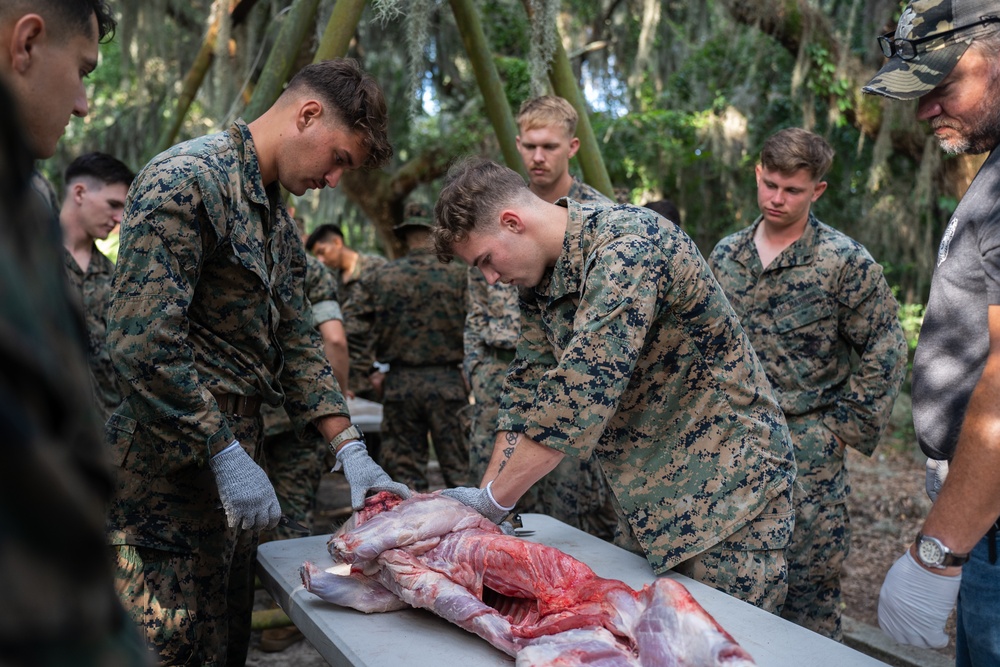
(958,22)
(416,214)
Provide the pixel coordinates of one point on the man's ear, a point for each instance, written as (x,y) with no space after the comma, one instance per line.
(818,190)
(574,146)
(308,114)
(25,35)
(77,191)
(511,221)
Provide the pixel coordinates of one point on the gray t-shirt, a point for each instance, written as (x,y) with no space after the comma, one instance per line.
(954,339)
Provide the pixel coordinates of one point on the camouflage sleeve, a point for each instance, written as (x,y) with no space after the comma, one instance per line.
(476,320)
(616,311)
(321,290)
(535,358)
(868,318)
(159,264)
(311,391)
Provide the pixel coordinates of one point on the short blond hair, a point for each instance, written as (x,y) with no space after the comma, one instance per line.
(547,111)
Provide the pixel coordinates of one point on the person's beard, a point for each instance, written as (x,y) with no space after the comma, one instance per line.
(984,135)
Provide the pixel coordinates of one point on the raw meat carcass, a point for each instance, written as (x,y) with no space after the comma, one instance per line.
(528,600)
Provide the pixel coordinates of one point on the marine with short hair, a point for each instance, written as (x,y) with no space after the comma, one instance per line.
(629,351)
(575,492)
(352,270)
(810,298)
(56,587)
(209,320)
(96,185)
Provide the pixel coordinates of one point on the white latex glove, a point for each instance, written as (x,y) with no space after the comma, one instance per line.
(936,473)
(914,603)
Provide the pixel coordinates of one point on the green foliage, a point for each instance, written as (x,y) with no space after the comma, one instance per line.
(911,318)
(824,82)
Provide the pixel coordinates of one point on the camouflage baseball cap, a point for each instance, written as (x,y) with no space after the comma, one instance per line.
(930,38)
(416,214)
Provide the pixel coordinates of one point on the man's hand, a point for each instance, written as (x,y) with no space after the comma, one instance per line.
(364,475)
(246,493)
(480,500)
(915,603)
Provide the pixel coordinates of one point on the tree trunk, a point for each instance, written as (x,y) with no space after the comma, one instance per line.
(196,75)
(494,97)
(340,29)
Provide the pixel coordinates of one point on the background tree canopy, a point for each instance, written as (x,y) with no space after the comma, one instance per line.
(681,96)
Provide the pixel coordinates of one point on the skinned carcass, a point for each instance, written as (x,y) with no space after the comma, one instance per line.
(529,600)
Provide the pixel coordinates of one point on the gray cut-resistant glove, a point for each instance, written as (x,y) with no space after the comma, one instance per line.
(937,472)
(480,500)
(364,475)
(246,492)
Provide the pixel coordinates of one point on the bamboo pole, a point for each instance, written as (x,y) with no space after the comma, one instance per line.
(192,82)
(339,29)
(278,67)
(565,85)
(494,97)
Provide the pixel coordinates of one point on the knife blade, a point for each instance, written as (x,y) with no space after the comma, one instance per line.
(292,524)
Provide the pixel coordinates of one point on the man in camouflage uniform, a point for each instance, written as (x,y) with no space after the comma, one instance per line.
(56,587)
(629,350)
(209,319)
(352,269)
(96,185)
(575,492)
(418,312)
(808,297)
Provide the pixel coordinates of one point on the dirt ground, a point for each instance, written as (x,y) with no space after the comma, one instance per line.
(887,505)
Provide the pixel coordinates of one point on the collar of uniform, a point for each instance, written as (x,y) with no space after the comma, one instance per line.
(801,250)
(253,184)
(566,276)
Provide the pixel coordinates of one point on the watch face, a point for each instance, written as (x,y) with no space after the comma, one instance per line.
(930,551)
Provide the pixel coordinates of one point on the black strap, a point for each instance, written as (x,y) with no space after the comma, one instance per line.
(991,543)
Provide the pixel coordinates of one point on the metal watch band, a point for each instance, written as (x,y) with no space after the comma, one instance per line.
(350,433)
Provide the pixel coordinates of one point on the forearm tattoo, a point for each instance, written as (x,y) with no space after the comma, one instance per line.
(508,450)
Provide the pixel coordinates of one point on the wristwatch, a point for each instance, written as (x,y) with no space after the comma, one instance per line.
(350,433)
(933,553)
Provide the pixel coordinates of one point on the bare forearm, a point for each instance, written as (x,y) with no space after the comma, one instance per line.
(516,464)
(969,501)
